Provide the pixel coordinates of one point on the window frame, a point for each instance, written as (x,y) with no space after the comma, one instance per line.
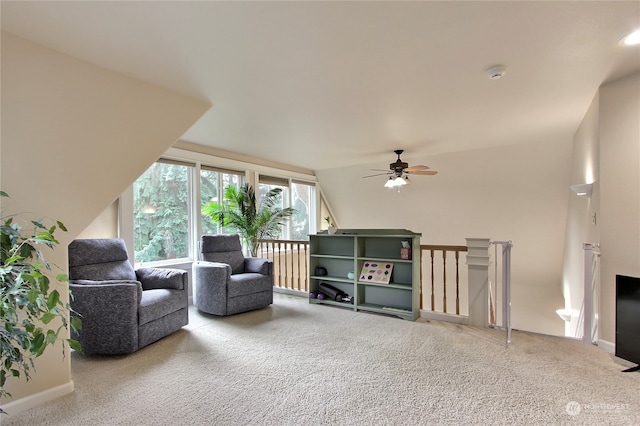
(250,173)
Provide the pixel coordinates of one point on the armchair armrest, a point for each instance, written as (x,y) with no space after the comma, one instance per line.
(109,314)
(258,265)
(153,278)
(210,282)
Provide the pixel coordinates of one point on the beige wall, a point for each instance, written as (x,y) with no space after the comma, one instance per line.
(580,227)
(619,191)
(606,151)
(516,193)
(105,225)
(74,136)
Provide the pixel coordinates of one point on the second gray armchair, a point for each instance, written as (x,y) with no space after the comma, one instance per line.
(225,282)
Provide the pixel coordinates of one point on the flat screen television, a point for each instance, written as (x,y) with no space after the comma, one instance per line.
(628,319)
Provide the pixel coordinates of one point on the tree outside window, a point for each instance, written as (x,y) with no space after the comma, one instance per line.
(303,197)
(161,213)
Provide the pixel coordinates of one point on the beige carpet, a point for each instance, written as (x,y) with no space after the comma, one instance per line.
(301,364)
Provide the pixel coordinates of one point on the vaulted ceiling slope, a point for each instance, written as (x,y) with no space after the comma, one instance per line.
(328,84)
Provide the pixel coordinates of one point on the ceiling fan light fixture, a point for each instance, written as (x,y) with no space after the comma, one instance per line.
(399,171)
(394,182)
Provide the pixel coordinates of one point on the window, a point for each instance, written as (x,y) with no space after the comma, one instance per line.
(213,182)
(166,203)
(303,200)
(267,183)
(297,194)
(161,212)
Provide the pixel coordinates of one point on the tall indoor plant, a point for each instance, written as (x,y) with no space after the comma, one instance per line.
(240,213)
(28,305)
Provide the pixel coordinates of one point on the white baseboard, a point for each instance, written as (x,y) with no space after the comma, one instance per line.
(439,316)
(299,293)
(607,346)
(23,404)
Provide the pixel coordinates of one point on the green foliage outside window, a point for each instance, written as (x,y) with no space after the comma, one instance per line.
(161,198)
(161,209)
(302,202)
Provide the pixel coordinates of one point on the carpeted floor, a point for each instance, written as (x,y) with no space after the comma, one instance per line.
(301,364)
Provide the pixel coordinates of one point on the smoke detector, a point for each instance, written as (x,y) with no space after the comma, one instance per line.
(496,72)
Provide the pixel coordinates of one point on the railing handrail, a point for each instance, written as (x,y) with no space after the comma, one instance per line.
(442,247)
(284,241)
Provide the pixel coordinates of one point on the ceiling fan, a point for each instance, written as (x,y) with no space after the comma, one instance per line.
(399,171)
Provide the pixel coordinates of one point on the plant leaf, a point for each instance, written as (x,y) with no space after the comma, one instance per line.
(75,345)
(53,299)
(47,318)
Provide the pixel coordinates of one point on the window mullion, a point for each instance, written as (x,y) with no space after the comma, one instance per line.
(195,227)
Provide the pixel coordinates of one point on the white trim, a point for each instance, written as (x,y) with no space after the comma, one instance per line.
(240,164)
(125,221)
(439,316)
(20,405)
(607,346)
(291,292)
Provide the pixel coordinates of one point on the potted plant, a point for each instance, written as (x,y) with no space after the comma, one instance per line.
(28,306)
(239,212)
(332,227)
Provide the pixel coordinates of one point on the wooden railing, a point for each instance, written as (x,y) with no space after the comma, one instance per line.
(437,270)
(290,262)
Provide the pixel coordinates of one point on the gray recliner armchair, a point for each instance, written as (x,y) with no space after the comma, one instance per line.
(226,282)
(122,309)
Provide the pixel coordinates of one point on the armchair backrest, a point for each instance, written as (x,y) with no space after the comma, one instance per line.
(224,249)
(99,260)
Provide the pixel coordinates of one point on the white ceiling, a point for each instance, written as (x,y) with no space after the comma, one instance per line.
(328,84)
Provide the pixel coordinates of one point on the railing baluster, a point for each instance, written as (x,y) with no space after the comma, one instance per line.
(421,295)
(457,283)
(433,292)
(306,268)
(289,250)
(298,251)
(444,249)
(289,272)
(444,281)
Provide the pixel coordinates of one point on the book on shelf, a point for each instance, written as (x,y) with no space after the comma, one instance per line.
(376,272)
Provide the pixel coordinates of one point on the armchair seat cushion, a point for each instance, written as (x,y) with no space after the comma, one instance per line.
(159,303)
(248,283)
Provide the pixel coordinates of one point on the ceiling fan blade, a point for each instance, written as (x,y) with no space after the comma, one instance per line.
(377,174)
(380,170)
(414,168)
(422,172)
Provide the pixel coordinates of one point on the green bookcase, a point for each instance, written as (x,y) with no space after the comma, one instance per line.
(348,250)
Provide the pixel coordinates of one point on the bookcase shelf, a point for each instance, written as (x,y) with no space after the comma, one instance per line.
(348,250)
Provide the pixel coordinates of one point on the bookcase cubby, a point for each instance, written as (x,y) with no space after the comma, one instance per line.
(349,250)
